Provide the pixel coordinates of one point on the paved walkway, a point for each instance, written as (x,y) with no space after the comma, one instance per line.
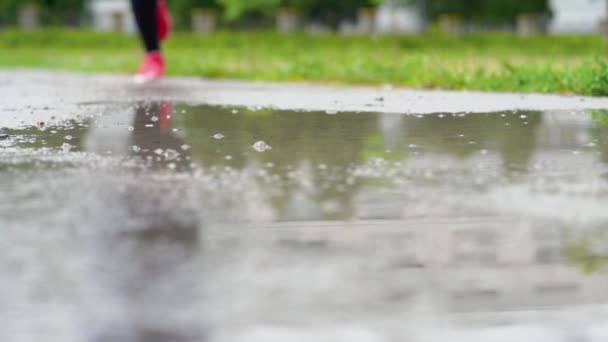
(31,95)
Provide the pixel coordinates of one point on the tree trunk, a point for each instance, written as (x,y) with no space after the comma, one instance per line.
(451,24)
(29,17)
(528,24)
(366,20)
(204,20)
(288,20)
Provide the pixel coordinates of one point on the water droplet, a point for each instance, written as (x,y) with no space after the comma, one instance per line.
(523,116)
(185,147)
(412,145)
(234,111)
(159,151)
(218,136)
(228,157)
(131,128)
(54,132)
(66,147)
(68,137)
(149,125)
(171,154)
(261,146)
(154,118)
(136,148)
(175,130)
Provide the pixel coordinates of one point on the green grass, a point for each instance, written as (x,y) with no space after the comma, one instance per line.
(496,62)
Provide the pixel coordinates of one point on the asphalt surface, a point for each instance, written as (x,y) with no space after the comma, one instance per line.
(29,96)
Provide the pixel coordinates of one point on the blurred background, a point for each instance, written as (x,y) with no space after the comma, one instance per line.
(316,16)
(542,46)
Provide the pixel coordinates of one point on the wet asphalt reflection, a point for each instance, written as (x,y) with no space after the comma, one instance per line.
(168,222)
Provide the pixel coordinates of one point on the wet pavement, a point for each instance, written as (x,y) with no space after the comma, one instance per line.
(167,221)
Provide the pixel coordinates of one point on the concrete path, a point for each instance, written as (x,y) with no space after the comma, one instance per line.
(31,95)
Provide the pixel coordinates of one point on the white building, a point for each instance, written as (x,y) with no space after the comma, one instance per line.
(112,15)
(577,16)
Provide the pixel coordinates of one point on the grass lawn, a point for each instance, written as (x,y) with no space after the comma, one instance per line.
(497,62)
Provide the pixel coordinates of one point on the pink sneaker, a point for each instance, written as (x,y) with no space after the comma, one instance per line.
(152,68)
(163,17)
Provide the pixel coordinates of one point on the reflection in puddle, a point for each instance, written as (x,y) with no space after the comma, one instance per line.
(166,222)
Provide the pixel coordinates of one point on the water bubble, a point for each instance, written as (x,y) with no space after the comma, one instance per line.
(154,118)
(261,146)
(171,154)
(54,132)
(159,151)
(136,148)
(185,147)
(218,136)
(68,137)
(523,116)
(131,128)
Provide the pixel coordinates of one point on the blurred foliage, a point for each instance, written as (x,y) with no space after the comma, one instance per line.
(330,12)
(491,62)
(61,12)
(487,10)
(182,10)
(235,9)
